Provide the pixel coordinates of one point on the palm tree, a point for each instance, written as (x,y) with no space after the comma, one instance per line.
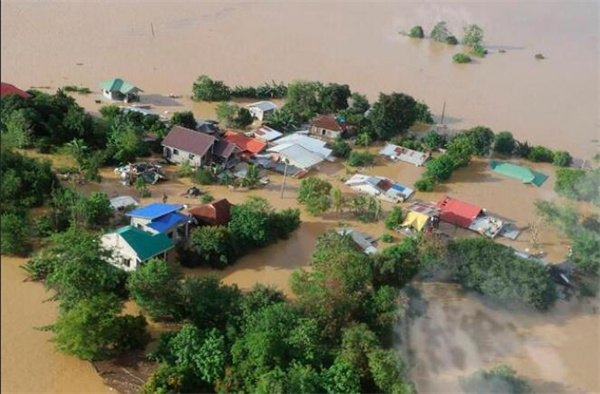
(337,200)
(79,150)
(252,177)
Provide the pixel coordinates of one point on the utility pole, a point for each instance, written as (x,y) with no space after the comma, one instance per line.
(284,176)
(443,112)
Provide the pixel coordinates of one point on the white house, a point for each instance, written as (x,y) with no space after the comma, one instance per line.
(158,218)
(117,89)
(399,153)
(380,187)
(132,246)
(311,144)
(261,109)
(364,241)
(183,145)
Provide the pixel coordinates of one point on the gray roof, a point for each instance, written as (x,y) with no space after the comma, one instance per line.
(263,105)
(189,140)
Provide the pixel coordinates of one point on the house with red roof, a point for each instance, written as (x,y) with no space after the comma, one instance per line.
(248,146)
(457,212)
(183,145)
(7,88)
(216,213)
(327,127)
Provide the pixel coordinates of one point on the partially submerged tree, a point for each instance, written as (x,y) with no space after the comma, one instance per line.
(440,32)
(472,35)
(205,89)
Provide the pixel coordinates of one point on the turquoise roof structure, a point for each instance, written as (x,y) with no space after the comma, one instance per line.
(524,174)
(144,244)
(119,85)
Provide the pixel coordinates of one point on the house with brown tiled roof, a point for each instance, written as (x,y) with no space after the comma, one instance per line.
(326,127)
(183,145)
(216,213)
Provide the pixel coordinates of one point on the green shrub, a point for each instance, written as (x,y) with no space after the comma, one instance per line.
(340,148)
(439,169)
(76,89)
(416,32)
(478,51)
(440,32)
(15,235)
(204,176)
(206,198)
(501,379)
(522,149)
(425,184)
(205,89)
(540,154)
(562,159)
(451,40)
(361,159)
(394,219)
(387,238)
(504,143)
(433,140)
(461,58)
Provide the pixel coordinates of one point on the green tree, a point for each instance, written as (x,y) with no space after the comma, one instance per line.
(185,119)
(433,140)
(341,377)
(125,144)
(567,181)
(251,223)
(451,40)
(15,234)
(141,187)
(260,297)
(211,246)
(425,184)
(472,35)
(481,138)
(423,113)
(252,178)
(340,148)
(93,329)
(97,210)
(562,159)
(363,139)
(440,168)
(315,192)
(522,149)
(17,129)
(540,154)
(232,115)
(303,100)
(459,150)
(80,151)
(393,114)
(361,159)
(155,288)
(394,219)
(416,32)
(461,58)
(334,97)
(504,143)
(337,199)
(205,89)
(283,120)
(440,32)
(396,265)
(389,372)
(501,379)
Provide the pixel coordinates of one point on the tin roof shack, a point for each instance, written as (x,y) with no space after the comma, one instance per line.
(248,146)
(296,155)
(216,213)
(226,153)
(133,246)
(420,215)
(524,174)
(117,89)
(457,212)
(266,134)
(183,145)
(364,241)
(261,109)
(399,153)
(327,127)
(380,187)
(313,145)
(122,202)
(8,89)
(161,218)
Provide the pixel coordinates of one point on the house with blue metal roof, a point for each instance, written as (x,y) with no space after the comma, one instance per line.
(159,218)
(132,247)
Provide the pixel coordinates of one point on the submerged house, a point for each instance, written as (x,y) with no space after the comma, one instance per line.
(117,89)
(472,217)
(248,147)
(524,174)
(8,89)
(380,187)
(216,213)
(266,134)
(362,240)
(327,127)
(421,215)
(183,145)
(313,145)
(262,109)
(399,153)
(132,247)
(158,218)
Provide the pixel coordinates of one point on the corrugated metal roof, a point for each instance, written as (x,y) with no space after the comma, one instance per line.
(244,143)
(327,122)
(154,210)
(168,221)
(263,105)
(312,144)
(189,140)
(300,155)
(144,244)
(458,212)
(119,85)
(516,171)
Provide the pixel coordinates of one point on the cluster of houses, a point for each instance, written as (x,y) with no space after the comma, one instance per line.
(155,229)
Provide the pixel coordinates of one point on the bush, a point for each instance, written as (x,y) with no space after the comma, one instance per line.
(205,89)
(206,198)
(478,51)
(502,379)
(439,169)
(433,140)
(416,32)
(409,143)
(567,181)
(541,154)
(185,119)
(393,114)
(504,143)
(315,193)
(361,159)
(451,40)
(440,32)
(387,238)
(14,235)
(460,150)
(233,115)
(394,219)
(340,148)
(423,113)
(481,139)
(204,176)
(562,159)
(211,246)
(461,58)
(522,149)
(472,35)
(425,184)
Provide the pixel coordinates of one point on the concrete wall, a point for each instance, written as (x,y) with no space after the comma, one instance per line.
(179,156)
(324,133)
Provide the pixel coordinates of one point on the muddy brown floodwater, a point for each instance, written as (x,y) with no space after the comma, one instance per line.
(553,102)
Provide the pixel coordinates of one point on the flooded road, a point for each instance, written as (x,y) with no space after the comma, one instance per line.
(552,102)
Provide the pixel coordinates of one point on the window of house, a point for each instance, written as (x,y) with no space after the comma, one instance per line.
(192,156)
(323,132)
(175,152)
(127,262)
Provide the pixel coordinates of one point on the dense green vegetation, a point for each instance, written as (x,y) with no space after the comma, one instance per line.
(394,219)
(501,379)
(361,159)
(205,89)
(185,119)
(461,58)
(440,32)
(232,115)
(315,194)
(416,32)
(253,224)
(340,148)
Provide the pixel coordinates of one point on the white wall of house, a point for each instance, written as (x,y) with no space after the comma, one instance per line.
(258,113)
(324,133)
(124,257)
(172,233)
(180,156)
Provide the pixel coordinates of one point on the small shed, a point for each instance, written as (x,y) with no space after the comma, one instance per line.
(216,213)
(327,127)
(123,202)
(266,134)
(261,109)
(117,89)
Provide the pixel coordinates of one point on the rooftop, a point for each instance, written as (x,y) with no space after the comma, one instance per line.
(244,143)
(263,105)
(119,85)
(7,88)
(189,140)
(215,213)
(298,154)
(146,245)
(166,222)
(524,174)
(327,122)
(154,210)
(458,212)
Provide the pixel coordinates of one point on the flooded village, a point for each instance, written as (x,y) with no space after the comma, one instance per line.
(451,332)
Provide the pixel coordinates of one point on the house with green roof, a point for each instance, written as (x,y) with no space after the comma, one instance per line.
(132,246)
(524,174)
(117,89)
